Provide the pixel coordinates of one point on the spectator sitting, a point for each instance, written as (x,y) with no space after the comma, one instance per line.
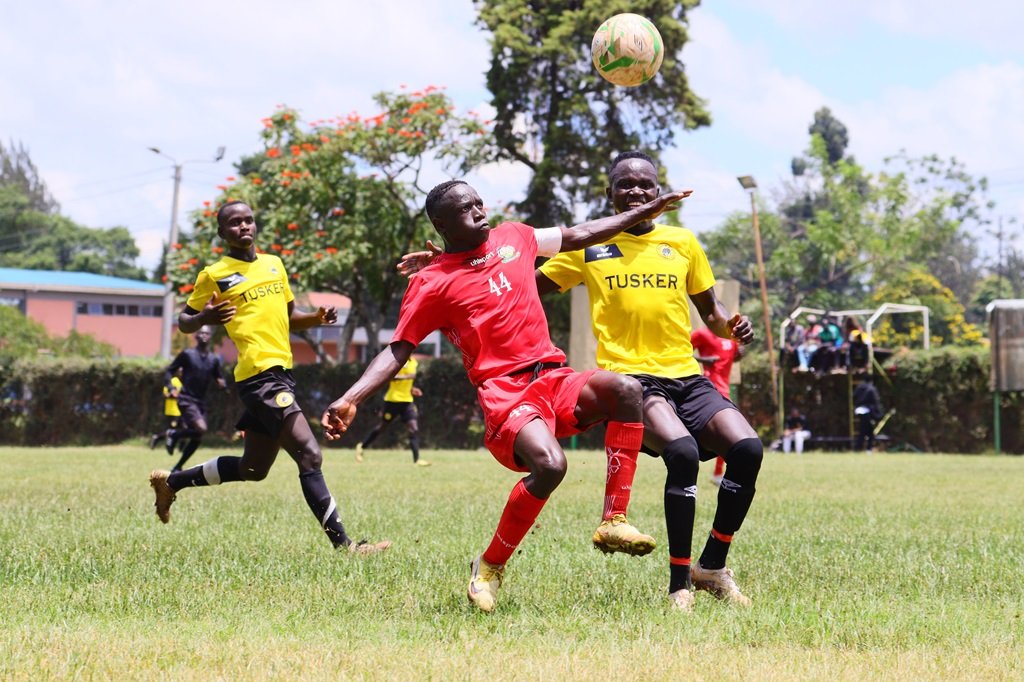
(824,359)
(809,344)
(795,333)
(795,432)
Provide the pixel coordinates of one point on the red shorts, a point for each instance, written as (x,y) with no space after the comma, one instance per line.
(510,403)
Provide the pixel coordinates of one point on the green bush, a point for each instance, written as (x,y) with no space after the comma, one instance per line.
(941,399)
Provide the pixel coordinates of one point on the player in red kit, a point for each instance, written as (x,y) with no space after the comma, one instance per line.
(482,294)
(716,356)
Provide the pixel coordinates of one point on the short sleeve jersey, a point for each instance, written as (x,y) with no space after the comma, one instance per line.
(639,288)
(400,390)
(485,302)
(707,344)
(170,403)
(260,292)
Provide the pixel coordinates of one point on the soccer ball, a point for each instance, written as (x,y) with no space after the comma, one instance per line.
(627,50)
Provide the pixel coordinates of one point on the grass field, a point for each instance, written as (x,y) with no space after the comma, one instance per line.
(860,567)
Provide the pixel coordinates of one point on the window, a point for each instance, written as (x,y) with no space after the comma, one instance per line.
(130,310)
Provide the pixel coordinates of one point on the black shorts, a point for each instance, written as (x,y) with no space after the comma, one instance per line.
(694,399)
(268,397)
(404,411)
(192,410)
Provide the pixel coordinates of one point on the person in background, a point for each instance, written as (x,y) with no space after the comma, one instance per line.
(794,432)
(867,406)
(809,344)
(171,410)
(716,357)
(399,404)
(198,367)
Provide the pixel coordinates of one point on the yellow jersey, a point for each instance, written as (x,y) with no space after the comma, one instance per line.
(639,288)
(171,408)
(400,390)
(260,292)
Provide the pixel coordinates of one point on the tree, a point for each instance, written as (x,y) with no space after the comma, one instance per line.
(33,234)
(340,201)
(916,286)
(17,170)
(841,232)
(557,116)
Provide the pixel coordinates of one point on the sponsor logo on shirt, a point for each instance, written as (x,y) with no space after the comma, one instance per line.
(284,399)
(507,253)
(648,280)
(482,259)
(666,251)
(262,291)
(601,252)
(231,280)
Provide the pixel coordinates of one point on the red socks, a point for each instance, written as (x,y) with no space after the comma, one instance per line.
(622,442)
(520,512)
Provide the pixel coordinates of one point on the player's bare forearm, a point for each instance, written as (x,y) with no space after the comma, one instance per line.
(602,229)
(382,369)
(718,320)
(300,321)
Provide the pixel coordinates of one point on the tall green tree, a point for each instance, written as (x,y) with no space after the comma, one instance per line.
(840,232)
(557,116)
(339,200)
(34,235)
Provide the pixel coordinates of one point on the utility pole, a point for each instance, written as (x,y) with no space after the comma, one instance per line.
(167,321)
(747,182)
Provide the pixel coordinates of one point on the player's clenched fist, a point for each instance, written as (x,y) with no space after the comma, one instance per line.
(337,418)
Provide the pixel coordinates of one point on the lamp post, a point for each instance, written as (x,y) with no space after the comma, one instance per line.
(167,321)
(747,182)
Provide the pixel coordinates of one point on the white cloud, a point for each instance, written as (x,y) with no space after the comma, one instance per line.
(989,24)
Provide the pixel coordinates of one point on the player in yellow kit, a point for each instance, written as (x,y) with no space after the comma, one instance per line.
(249,294)
(399,404)
(640,284)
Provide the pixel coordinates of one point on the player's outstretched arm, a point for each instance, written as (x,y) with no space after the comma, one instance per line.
(339,414)
(600,230)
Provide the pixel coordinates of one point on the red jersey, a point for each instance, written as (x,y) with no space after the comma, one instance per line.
(485,301)
(707,344)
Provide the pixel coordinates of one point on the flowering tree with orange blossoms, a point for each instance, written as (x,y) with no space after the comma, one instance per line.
(340,199)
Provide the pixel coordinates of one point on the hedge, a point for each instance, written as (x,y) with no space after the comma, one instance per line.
(941,399)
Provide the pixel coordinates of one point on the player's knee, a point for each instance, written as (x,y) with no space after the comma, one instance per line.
(744,461)
(628,393)
(549,466)
(682,460)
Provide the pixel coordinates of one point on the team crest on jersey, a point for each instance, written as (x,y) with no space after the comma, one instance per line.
(601,252)
(284,399)
(666,251)
(231,280)
(507,253)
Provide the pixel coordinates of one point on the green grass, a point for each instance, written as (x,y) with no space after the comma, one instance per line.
(860,567)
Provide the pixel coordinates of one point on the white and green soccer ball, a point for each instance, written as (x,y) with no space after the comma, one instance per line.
(627,50)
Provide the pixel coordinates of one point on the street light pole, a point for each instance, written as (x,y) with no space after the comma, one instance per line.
(747,182)
(167,320)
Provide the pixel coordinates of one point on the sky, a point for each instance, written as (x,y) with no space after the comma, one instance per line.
(88,86)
